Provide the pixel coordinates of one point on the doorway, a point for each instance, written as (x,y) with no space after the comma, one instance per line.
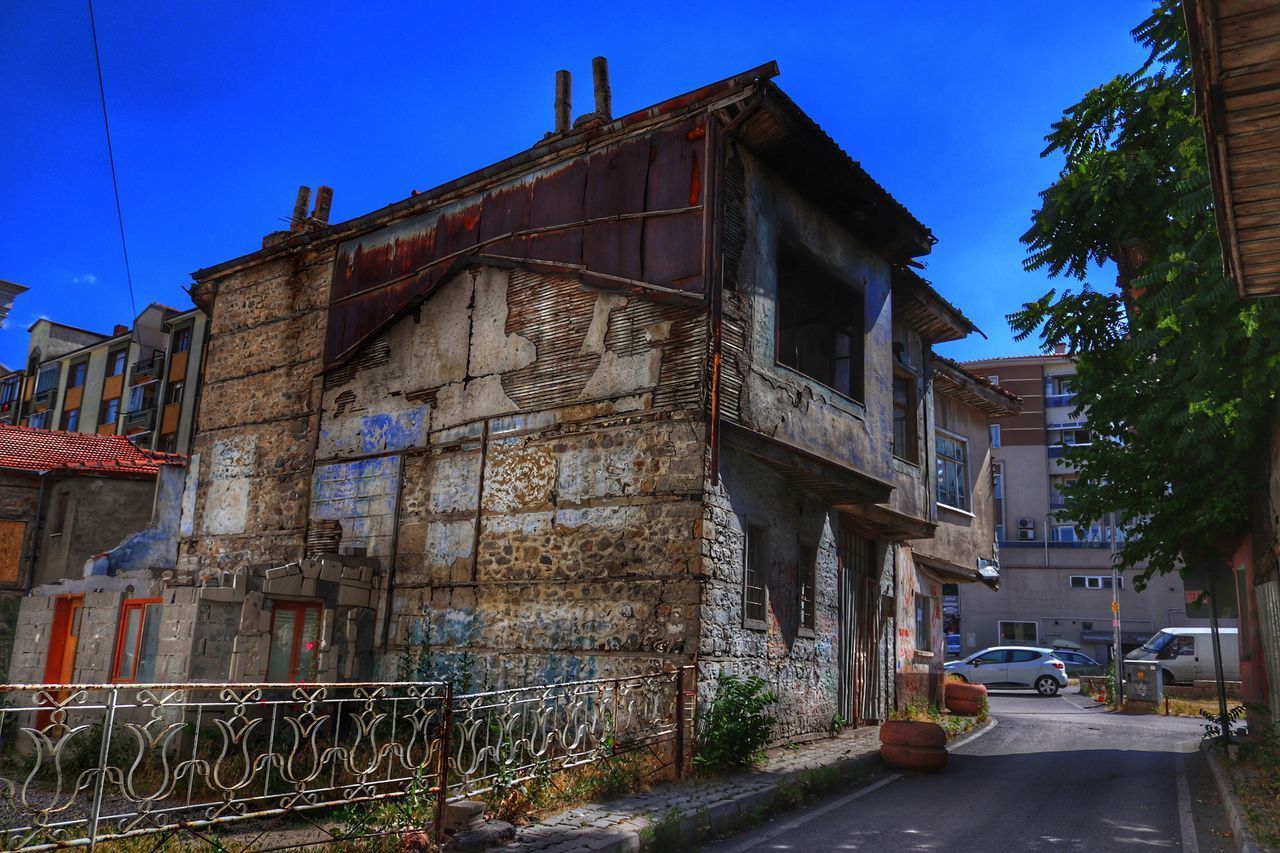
(295,641)
(64,636)
(859,627)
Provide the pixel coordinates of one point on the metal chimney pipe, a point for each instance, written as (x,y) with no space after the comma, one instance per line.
(300,209)
(600,77)
(324,200)
(564,106)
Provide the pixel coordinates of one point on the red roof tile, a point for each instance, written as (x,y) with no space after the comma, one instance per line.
(104,455)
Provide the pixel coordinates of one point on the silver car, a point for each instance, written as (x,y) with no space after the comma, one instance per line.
(1013,666)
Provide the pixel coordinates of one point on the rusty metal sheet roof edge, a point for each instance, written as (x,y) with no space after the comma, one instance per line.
(537,154)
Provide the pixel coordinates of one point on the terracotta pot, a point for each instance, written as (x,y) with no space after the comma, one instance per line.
(960,695)
(965,707)
(913,734)
(930,759)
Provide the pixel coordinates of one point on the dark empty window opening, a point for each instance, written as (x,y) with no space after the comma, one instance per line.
(807,587)
(905,440)
(820,323)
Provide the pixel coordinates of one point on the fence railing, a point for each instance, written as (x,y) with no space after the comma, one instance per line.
(85,763)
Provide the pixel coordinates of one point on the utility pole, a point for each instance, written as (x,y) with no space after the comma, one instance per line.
(1116,655)
(1217,658)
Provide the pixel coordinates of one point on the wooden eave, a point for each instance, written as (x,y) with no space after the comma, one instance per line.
(1235,50)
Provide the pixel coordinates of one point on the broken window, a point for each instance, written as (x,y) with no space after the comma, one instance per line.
(820,323)
(754,595)
(295,641)
(905,441)
(807,584)
(137,641)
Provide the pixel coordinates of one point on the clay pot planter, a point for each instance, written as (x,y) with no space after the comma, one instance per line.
(964,698)
(906,745)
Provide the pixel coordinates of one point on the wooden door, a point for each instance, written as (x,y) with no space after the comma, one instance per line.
(64,636)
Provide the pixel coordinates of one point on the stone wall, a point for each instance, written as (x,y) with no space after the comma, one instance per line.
(919,661)
(259,403)
(800,666)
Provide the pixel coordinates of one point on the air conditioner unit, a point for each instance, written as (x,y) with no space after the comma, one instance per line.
(1026,535)
(1027,523)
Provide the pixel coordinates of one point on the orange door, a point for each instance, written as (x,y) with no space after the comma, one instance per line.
(64,635)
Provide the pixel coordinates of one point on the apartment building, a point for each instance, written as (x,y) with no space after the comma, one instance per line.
(138,381)
(1056,572)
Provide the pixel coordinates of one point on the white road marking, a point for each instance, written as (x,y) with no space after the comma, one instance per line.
(791,825)
(1185,822)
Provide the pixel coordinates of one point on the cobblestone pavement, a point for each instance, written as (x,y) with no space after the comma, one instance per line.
(615,825)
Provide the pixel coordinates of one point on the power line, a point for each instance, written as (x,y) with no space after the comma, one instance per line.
(111,157)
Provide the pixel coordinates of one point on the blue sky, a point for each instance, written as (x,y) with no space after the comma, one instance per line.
(220,110)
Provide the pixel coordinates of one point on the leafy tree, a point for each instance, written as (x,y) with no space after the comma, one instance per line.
(1177,373)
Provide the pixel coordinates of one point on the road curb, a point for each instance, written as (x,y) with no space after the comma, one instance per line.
(725,816)
(1245,842)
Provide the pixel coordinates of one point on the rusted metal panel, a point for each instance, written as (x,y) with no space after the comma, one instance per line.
(628,215)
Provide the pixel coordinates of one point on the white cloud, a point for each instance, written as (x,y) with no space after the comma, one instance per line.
(87,278)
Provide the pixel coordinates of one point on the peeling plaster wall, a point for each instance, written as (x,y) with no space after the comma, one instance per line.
(919,670)
(779,402)
(801,670)
(541,449)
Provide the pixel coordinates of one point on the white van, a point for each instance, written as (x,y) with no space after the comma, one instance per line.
(1186,654)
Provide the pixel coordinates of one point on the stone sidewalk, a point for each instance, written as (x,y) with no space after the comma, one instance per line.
(701,807)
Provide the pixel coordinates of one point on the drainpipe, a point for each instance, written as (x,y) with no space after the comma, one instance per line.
(34,549)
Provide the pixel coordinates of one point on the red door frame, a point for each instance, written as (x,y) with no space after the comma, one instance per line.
(64,637)
(299,609)
(122,631)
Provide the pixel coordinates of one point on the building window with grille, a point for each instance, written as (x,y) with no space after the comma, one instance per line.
(137,641)
(755,596)
(905,438)
(953,471)
(807,588)
(820,323)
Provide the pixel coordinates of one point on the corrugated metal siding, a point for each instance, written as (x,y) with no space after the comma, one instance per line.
(555,313)
(631,209)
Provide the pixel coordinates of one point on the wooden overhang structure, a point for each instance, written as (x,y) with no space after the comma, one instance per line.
(1235,52)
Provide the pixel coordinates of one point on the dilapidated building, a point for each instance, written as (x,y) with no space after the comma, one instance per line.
(657,390)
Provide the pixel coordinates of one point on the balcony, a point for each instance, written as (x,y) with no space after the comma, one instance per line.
(1068,399)
(150,368)
(140,419)
(42,398)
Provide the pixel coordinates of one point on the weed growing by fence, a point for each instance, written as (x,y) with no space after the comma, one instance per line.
(736,727)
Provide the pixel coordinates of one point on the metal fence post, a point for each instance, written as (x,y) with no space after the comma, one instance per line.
(95,808)
(442,797)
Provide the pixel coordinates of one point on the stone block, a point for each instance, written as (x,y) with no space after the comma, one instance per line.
(223,594)
(330,569)
(350,595)
(250,610)
(284,584)
(310,569)
(279,572)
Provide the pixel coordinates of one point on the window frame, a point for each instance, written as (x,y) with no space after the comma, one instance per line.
(182,338)
(807,579)
(77,373)
(943,460)
(71,420)
(1000,623)
(754,545)
(854,326)
(122,634)
(994,432)
(299,607)
(170,398)
(59,525)
(998,499)
(118,357)
(910,419)
(103,419)
(924,617)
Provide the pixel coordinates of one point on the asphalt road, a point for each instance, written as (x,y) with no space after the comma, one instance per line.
(1054,774)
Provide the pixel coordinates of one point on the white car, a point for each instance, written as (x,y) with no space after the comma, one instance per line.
(1013,666)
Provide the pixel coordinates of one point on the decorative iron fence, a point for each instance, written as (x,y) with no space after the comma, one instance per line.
(85,763)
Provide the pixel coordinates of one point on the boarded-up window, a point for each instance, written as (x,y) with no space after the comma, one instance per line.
(12,534)
(754,595)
